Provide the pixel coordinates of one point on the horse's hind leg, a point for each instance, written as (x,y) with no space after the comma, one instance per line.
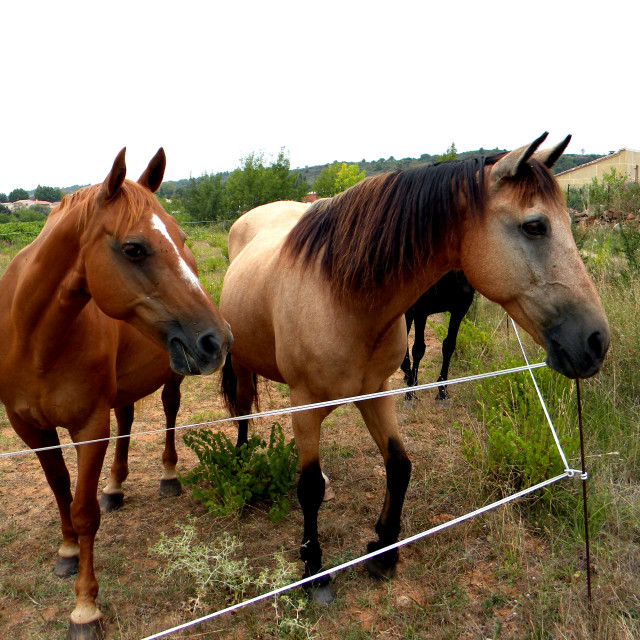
(169,484)
(406,363)
(112,495)
(380,418)
(448,347)
(419,347)
(240,393)
(57,476)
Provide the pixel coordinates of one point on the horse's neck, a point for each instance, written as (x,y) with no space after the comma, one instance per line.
(50,291)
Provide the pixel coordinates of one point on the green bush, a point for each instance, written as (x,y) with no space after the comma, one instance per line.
(518,450)
(20,234)
(229,478)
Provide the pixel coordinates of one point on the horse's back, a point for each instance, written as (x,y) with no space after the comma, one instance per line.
(271,221)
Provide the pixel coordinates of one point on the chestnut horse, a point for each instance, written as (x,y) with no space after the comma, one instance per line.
(452,293)
(88,312)
(316,296)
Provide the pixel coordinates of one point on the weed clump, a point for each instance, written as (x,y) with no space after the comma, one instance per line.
(229,478)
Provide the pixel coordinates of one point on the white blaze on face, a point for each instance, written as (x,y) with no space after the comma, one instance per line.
(185,272)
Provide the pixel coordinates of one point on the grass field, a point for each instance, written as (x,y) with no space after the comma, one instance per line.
(517,572)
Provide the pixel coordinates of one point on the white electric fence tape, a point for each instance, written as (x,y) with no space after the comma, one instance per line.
(528,367)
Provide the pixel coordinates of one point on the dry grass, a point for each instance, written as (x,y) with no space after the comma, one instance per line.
(512,574)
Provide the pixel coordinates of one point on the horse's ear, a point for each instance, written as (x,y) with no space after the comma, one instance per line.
(509,165)
(549,157)
(114,180)
(152,176)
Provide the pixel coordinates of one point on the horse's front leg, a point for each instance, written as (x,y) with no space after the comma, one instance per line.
(380,417)
(169,484)
(86,619)
(311,487)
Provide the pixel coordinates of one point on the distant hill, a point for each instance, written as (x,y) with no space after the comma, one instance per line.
(382,165)
(374,167)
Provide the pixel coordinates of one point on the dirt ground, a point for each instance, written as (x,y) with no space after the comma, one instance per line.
(477,580)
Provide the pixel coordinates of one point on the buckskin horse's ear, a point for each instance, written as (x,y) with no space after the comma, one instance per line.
(509,165)
(152,176)
(114,180)
(549,157)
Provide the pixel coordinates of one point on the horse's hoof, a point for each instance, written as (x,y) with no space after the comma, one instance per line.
(380,570)
(383,566)
(329,493)
(323,594)
(66,567)
(410,398)
(110,501)
(95,630)
(170,488)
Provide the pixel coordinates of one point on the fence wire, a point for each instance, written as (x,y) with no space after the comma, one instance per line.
(568,473)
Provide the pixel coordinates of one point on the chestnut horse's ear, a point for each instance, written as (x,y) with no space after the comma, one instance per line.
(114,180)
(549,157)
(509,165)
(152,176)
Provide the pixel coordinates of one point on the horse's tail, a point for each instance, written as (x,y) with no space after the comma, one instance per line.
(229,388)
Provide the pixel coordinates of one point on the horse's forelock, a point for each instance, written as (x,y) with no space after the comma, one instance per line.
(127,206)
(534,181)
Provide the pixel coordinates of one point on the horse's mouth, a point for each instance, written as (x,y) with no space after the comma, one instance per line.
(201,353)
(181,360)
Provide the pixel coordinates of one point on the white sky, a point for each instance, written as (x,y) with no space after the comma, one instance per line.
(213,81)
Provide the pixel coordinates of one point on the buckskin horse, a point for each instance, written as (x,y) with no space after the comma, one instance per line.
(94,314)
(316,296)
(453,294)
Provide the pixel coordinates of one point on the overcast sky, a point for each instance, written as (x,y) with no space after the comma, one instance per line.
(213,81)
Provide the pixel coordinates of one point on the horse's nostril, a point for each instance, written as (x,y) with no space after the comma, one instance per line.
(209,344)
(597,344)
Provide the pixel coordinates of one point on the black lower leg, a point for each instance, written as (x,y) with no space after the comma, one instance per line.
(310,495)
(243,433)
(398,469)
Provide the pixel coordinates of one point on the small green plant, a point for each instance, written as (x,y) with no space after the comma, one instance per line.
(628,243)
(209,564)
(214,567)
(228,478)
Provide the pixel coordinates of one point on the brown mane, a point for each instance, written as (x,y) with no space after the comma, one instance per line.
(388,225)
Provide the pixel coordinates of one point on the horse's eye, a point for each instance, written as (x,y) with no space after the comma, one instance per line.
(534,228)
(134,251)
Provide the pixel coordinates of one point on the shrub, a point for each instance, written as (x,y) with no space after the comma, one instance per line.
(229,478)
(518,449)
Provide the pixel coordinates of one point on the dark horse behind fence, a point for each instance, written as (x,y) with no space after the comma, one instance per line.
(316,296)
(94,314)
(452,294)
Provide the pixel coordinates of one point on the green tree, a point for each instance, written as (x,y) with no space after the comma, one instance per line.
(336,178)
(253,183)
(18,194)
(3,197)
(48,194)
(205,198)
(167,189)
(450,154)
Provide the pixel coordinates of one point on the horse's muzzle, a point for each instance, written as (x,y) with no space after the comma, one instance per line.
(575,353)
(201,354)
